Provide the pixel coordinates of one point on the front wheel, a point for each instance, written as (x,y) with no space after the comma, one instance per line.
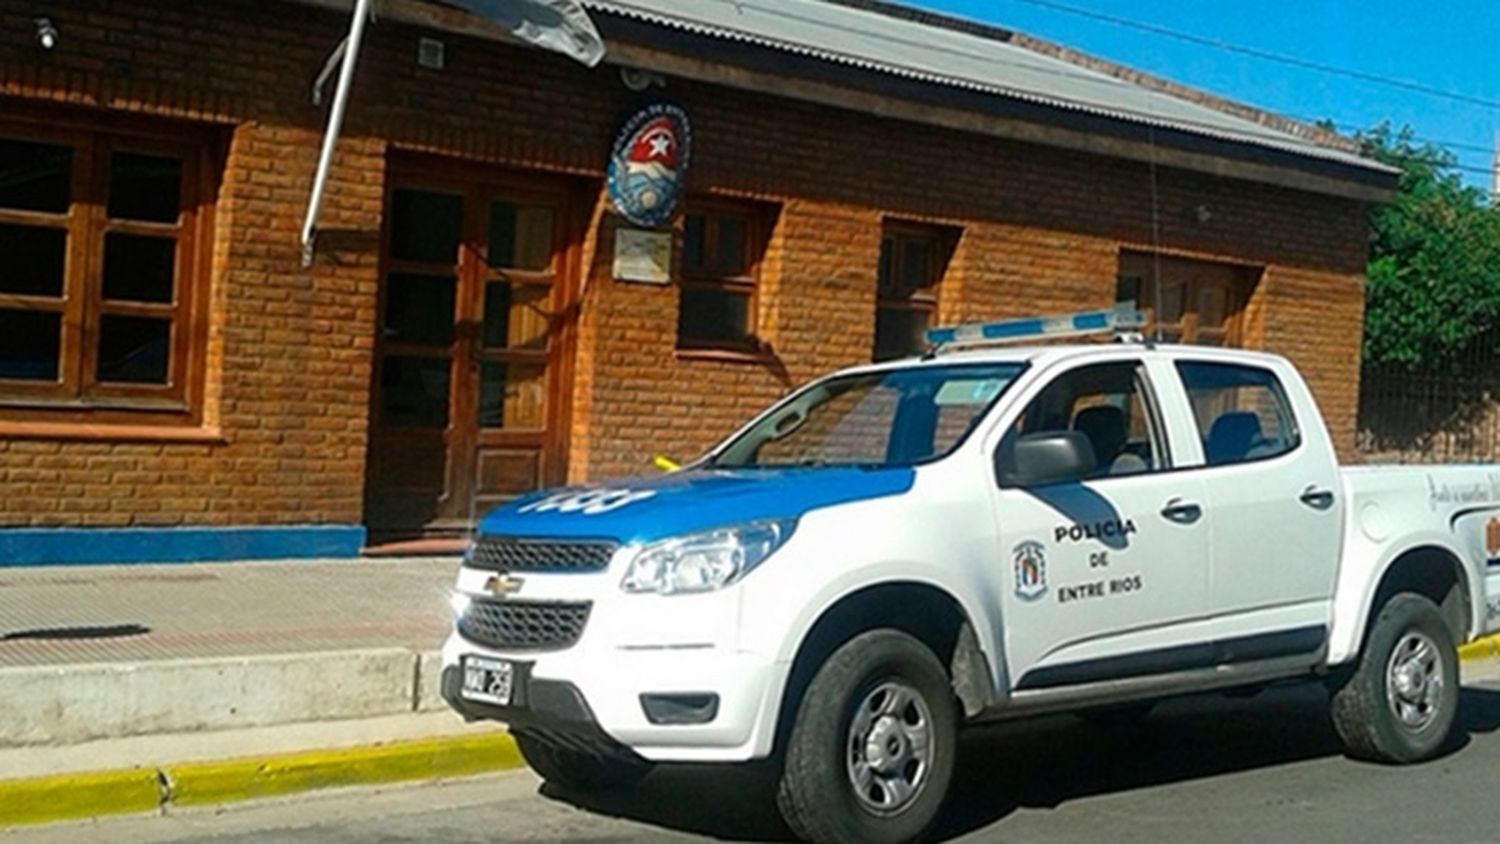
(872,748)
(1399,703)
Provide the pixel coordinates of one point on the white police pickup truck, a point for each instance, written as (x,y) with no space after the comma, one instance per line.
(900,549)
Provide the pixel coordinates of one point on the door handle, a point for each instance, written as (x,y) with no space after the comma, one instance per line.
(1182,512)
(1318,499)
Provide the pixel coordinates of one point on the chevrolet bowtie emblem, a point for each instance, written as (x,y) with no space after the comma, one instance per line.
(503,585)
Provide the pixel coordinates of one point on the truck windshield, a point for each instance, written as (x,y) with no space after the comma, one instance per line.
(897,417)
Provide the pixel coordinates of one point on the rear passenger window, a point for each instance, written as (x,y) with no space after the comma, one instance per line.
(1242,412)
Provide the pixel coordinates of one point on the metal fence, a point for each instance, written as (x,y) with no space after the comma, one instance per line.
(1436,414)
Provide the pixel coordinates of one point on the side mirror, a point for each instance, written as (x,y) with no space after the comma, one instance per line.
(1046,457)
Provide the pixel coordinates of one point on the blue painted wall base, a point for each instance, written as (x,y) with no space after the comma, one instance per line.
(90,546)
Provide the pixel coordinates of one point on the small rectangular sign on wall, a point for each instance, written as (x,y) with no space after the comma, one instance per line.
(643,256)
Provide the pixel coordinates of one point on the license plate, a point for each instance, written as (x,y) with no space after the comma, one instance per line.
(488,680)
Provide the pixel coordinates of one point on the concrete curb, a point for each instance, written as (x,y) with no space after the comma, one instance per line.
(136,790)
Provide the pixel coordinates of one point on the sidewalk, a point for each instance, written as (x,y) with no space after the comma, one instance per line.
(54,616)
(108,652)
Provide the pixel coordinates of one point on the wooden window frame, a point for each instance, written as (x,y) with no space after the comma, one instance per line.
(745,283)
(940,242)
(1187,329)
(78,397)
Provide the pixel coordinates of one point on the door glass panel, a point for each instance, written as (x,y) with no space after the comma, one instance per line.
(520,236)
(35,177)
(419,309)
(426,226)
(515,316)
(134,350)
(139,269)
(145,187)
(414,392)
(512,395)
(32,260)
(30,345)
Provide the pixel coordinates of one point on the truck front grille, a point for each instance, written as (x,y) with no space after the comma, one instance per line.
(524,625)
(506,554)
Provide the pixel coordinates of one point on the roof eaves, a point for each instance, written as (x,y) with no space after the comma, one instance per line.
(1271,137)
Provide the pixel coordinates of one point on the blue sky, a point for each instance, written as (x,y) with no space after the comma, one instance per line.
(1452,45)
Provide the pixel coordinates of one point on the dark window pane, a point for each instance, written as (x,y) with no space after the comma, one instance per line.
(520,236)
(145,187)
(30,345)
(139,269)
(497,315)
(916,266)
(900,332)
(887,273)
(512,395)
(694,241)
(414,392)
(1128,289)
(730,247)
(426,226)
(713,317)
(35,177)
(32,260)
(134,350)
(419,309)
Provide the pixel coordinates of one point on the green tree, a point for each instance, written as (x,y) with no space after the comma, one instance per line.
(1434,275)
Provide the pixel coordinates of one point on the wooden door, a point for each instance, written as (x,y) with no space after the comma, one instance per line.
(1197,302)
(470,393)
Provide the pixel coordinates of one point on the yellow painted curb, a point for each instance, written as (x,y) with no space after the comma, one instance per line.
(90,795)
(200,783)
(70,796)
(1484,648)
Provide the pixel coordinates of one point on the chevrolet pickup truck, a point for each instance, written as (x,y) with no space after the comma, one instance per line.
(898,550)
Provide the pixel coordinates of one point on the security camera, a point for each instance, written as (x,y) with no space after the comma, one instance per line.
(46,33)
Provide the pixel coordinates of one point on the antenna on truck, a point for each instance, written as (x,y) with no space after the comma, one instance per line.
(1124,320)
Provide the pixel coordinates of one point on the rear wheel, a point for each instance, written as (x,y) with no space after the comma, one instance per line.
(1399,703)
(871,750)
(579,771)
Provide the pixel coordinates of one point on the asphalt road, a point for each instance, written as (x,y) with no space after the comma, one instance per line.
(1200,769)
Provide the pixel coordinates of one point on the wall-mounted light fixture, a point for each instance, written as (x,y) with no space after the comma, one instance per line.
(46,33)
(639,80)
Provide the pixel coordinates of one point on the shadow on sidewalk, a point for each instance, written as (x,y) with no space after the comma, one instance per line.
(1039,763)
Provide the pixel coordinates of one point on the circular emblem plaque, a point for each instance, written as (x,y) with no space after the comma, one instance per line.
(649,164)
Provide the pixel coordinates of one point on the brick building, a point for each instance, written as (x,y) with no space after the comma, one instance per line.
(859,170)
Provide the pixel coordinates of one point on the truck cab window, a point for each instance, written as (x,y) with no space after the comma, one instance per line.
(1106,403)
(1242,412)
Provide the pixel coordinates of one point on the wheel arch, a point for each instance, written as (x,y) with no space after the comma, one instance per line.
(1432,570)
(926,611)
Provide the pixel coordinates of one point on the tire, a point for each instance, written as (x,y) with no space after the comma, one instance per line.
(1398,704)
(578,771)
(864,716)
(1120,715)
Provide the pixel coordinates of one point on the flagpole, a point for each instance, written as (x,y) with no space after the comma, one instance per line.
(335,127)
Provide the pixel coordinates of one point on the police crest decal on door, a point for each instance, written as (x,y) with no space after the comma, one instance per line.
(1031,570)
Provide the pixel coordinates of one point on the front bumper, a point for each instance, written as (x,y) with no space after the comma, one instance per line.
(596,697)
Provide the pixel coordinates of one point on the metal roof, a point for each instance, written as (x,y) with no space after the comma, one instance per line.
(958,54)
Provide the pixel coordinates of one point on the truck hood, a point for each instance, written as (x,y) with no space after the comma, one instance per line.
(647,509)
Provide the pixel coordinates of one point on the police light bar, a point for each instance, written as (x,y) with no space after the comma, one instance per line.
(1124,319)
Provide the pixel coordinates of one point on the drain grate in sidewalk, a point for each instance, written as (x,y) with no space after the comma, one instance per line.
(110,631)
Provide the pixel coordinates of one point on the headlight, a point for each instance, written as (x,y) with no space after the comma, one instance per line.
(703,562)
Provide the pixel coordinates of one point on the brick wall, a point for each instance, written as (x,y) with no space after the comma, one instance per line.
(288,378)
